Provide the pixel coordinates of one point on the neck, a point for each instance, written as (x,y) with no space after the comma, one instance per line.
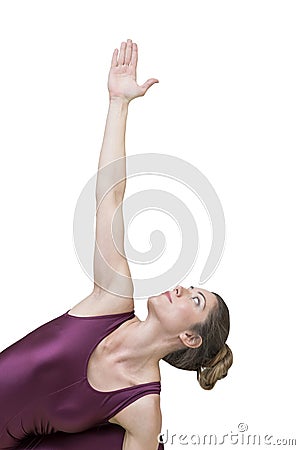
(139,345)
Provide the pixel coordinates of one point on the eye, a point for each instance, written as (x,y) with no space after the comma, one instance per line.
(197,300)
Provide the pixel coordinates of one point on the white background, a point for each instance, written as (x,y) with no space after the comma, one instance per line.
(228,103)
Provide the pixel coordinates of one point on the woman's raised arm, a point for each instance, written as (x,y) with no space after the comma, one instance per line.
(109,260)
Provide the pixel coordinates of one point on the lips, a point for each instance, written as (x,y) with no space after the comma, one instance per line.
(169,296)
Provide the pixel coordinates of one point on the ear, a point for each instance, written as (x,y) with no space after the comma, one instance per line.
(190,339)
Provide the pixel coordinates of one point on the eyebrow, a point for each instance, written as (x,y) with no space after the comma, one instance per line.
(198,292)
(203,297)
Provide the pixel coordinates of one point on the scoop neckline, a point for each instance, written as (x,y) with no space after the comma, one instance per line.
(121,389)
(97,317)
(85,376)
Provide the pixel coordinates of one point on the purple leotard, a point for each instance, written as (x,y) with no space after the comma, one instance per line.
(44,388)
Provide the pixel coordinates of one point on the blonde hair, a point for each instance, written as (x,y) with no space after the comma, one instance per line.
(216,369)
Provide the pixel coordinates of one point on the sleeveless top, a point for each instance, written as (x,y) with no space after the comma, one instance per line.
(43,380)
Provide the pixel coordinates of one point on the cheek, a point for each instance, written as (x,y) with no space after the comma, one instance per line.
(173,317)
(180,317)
(188,314)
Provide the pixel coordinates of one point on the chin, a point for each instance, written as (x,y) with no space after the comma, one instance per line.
(156,304)
(153,297)
(152,300)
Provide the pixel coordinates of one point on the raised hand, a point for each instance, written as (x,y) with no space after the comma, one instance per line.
(122,75)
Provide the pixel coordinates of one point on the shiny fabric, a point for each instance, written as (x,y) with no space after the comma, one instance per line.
(107,437)
(44,387)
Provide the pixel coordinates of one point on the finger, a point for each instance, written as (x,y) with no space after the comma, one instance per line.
(134,56)
(148,84)
(122,54)
(128,51)
(114,58)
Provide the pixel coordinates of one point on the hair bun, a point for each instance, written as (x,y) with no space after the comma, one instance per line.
(216,368)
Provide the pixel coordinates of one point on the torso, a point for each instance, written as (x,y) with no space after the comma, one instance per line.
(101,362)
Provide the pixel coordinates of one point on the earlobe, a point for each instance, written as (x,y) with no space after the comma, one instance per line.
(190,339)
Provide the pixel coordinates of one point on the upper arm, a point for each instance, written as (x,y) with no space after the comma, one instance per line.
(142,421)
(111,269)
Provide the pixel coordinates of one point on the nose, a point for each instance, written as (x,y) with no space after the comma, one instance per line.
(178,290)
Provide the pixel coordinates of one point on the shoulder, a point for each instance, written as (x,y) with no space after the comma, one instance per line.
(100,303)
(142,421)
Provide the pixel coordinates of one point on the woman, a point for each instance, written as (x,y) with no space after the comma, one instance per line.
(90,378)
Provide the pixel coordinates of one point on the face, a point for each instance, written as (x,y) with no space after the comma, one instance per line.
(181,308)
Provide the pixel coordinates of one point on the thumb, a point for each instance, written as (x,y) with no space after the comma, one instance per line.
(148,84)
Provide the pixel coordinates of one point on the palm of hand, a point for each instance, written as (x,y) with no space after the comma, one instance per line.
(122,75)
(122,82)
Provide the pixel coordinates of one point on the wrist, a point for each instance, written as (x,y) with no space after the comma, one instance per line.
(119,101)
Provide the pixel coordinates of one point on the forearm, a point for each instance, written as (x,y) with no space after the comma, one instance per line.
(113,146)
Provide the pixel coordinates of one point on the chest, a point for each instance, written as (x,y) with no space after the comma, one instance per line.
(105,373)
